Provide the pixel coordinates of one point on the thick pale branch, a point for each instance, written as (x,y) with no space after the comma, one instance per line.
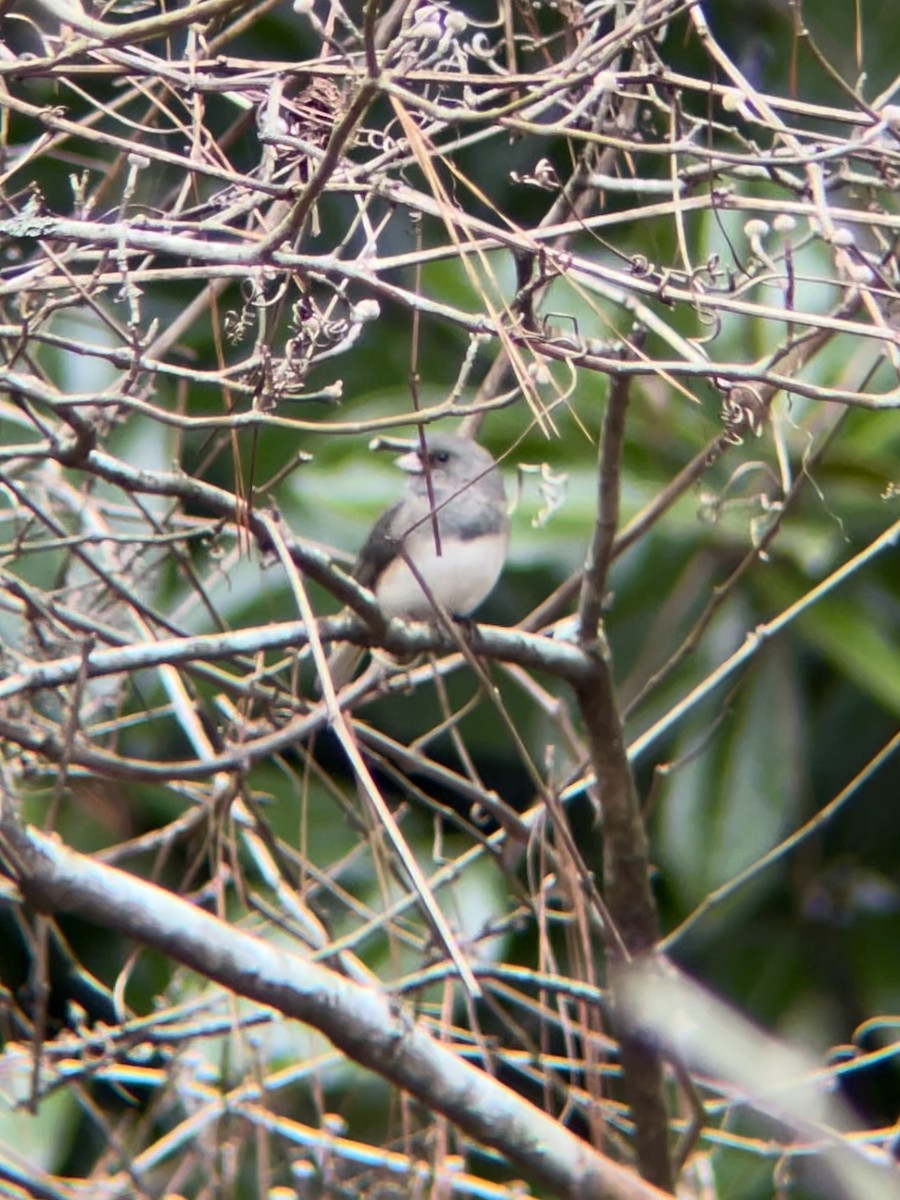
(365,1024)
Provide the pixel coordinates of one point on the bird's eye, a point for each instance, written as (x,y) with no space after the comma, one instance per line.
(440,456)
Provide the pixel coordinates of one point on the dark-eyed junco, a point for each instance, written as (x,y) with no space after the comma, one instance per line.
(458,563)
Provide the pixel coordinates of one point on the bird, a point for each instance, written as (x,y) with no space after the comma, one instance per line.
(458,562)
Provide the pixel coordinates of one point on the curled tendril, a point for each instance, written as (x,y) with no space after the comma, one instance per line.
(481,47)
(573,343)
(544,177)
(641,267)
(743,411)
(552,489)
(235,325)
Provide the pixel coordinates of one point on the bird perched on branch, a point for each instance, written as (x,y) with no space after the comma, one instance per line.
(444,542)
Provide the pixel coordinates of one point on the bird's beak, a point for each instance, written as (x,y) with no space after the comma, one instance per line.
(411,463)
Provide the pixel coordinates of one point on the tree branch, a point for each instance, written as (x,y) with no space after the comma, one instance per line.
(365,1024)
(626,860)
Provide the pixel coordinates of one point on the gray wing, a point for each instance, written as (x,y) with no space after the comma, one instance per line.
(379,547)
(377,551)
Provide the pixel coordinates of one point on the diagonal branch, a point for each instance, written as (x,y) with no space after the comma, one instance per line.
(365,1024)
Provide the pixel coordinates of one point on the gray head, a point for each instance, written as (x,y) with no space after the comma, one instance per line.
(454,463)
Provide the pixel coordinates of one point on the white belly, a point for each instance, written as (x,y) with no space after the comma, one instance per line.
(459,579)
